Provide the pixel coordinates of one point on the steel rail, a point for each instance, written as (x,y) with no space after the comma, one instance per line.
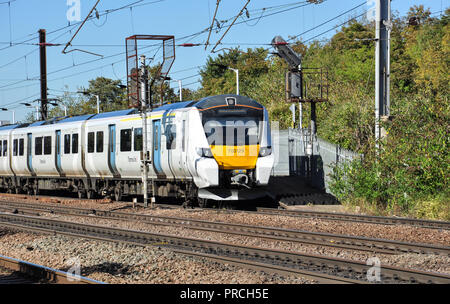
(341,268)
(42,273)
(322,278)
(278,234)
(9,277)
(358,218)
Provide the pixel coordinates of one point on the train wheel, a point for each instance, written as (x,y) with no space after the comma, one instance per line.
(203,202)
(118,193)
(35,189)
(81,194)
(90,194)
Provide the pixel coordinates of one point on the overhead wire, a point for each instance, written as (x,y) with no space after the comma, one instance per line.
(185,37)
(102,13)
(121,53)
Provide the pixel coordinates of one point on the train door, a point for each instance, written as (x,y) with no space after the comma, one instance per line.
(156,146)
(58,152)
(112,150)
(184,134)
(29,153)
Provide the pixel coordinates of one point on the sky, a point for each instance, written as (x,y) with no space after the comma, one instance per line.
(20,21)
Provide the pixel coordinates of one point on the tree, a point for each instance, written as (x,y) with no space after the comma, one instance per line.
(112,96)
(217,79)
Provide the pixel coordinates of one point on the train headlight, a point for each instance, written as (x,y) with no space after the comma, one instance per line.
(265,151)
(205,152)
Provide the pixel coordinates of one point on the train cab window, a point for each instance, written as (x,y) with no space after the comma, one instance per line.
(5,148)
(15,147)
(67,144)
(91,142)
(47,145)
(21,146)
(138,142)
(100,142)
(125,140)
(74,143)
(38,146)
(171,136)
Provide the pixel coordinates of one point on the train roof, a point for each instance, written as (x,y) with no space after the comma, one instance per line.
(211,101)
(115,114)
(8,127)
(202,104)
(221,100)
(174,106)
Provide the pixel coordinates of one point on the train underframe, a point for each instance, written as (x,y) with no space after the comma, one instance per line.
(232,186)
(99,187)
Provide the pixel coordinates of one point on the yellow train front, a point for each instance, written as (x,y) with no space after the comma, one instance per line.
(238,136)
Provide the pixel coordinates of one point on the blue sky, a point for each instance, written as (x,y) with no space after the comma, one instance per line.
(20,21)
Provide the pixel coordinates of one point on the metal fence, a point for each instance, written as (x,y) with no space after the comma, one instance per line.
(291,150)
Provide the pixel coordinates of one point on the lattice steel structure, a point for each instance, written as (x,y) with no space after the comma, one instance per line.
(307,85)
(133,71)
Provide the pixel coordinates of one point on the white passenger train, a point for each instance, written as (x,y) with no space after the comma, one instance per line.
(216,148)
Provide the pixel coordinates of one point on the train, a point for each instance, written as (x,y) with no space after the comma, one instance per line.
(216,148)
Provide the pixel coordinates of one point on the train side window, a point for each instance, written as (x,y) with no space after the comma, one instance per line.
(5,148)
(47,145)
(1,148)
(125,140)
(38,146)
(15,147)
(67,144)
(171,136)
(91,142)
(100,142)
(155,138)
(138,142)
(21,146)
(75,143)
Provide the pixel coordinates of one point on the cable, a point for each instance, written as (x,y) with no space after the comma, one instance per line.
(114,55)
(185,37)
(191,36)
(329,20)
(109,11)
(335,27)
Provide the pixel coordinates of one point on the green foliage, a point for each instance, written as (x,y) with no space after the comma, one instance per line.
(410,173)
(412,166)
(218,79)
(112,97)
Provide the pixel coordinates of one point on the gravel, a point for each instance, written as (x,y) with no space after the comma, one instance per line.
(123,263)
(442,265)
(394,232)
(404,233)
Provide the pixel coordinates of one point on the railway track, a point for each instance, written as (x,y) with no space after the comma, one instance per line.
(278,234)
(323,269)
(312,214)
(22,272)
(358,218)
(9,277)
